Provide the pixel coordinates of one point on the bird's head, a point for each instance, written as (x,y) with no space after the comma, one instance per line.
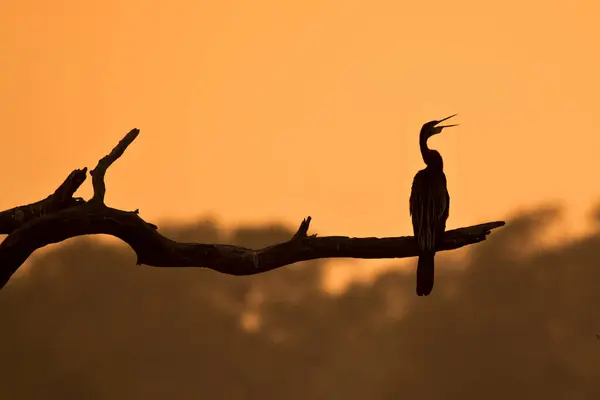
(430,128)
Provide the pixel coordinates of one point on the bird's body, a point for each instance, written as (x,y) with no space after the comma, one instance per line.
(429,208)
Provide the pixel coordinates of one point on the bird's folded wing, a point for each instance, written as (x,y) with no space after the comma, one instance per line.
(428,204)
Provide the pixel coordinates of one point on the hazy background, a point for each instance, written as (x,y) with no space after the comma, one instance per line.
(86,323)
(260,113)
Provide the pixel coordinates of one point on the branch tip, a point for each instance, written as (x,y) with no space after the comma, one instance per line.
(303,229)
(65,191)
(105,162)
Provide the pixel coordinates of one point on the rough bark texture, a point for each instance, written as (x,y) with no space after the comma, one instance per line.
(61,216)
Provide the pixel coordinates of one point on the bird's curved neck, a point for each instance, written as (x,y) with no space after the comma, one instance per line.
(432,158)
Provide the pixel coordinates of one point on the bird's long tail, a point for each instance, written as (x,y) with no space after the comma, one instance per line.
(425,273)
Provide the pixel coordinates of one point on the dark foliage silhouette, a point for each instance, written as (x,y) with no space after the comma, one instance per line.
(83,322)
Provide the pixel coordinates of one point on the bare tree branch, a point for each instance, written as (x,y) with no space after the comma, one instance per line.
(99,172)
(60,217)
(61,199)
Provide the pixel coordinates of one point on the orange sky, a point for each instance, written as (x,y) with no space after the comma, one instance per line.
(272,110)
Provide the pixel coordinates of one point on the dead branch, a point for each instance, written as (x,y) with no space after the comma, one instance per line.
(60,217)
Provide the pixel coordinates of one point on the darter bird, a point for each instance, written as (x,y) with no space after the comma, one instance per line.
(429,206)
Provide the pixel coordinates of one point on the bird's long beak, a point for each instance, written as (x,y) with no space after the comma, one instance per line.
(445,126)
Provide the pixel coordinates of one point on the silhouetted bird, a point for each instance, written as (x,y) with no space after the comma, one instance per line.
(429,207)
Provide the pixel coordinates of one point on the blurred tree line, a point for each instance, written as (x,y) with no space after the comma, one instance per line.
(518,321)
